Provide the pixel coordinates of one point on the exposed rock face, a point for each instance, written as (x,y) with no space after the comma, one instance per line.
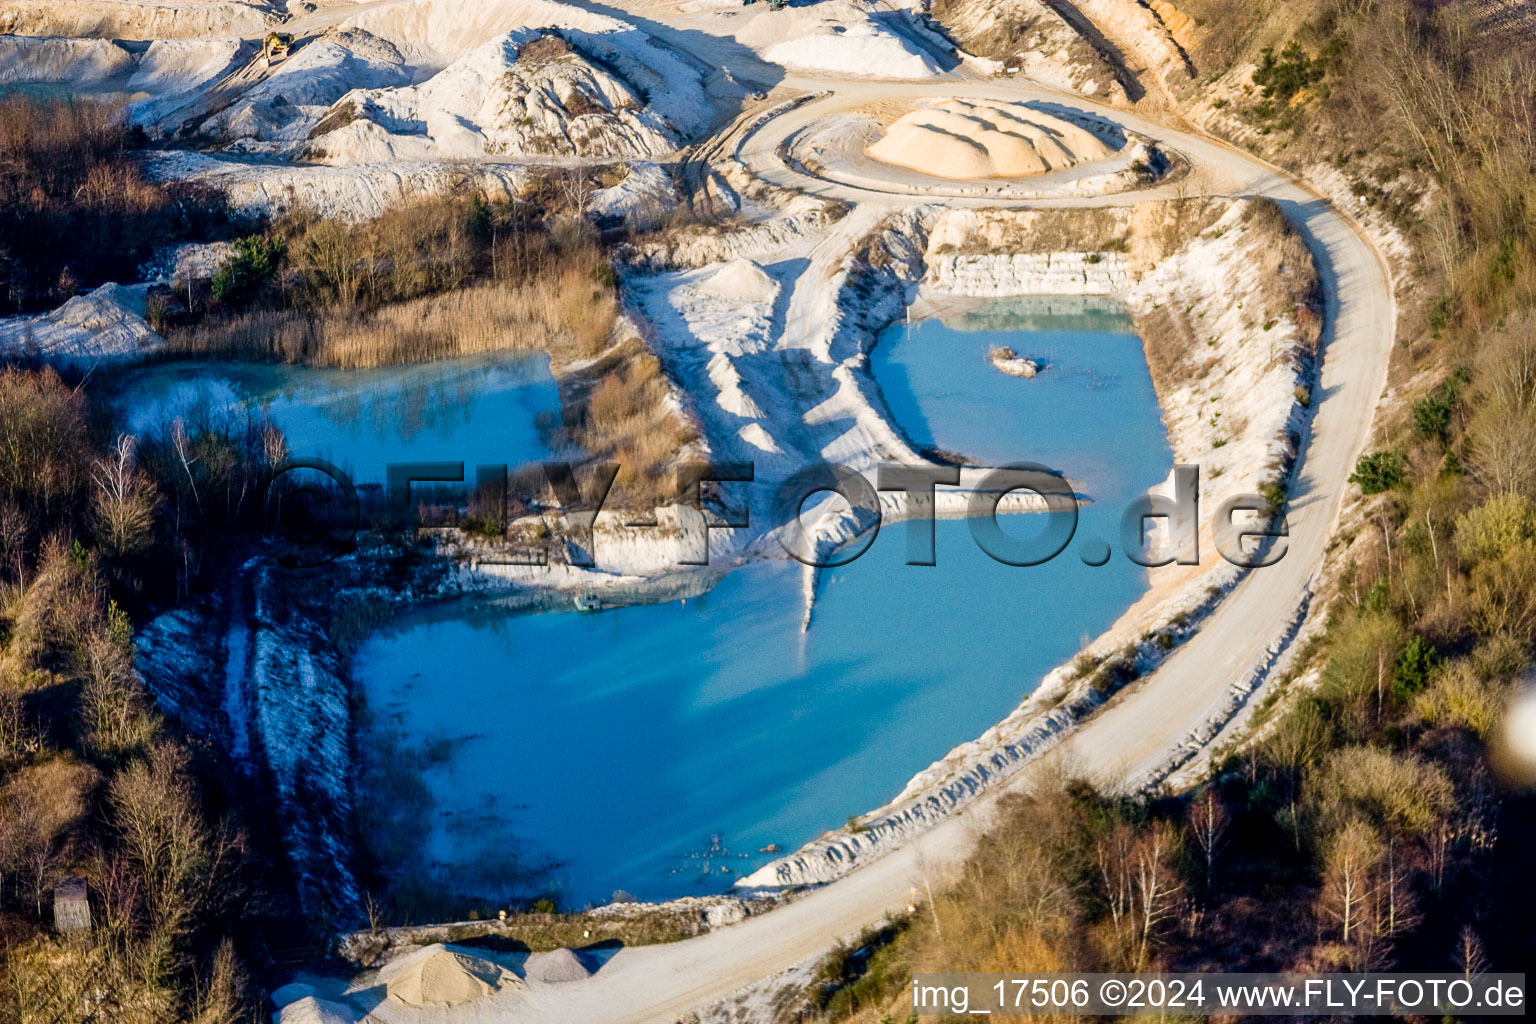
(1186,31)
(1129,22)
(1044,273)
(169,76)
(514,96)
(351,192)
(1029,37)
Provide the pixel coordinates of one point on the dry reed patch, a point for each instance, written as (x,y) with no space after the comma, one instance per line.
(567,316)
(447,277)
(624,411)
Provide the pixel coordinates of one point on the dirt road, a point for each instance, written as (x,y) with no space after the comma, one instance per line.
(1144,724)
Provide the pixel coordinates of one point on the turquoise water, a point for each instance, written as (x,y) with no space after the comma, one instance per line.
(1091,413)
(617,747)
(479,411)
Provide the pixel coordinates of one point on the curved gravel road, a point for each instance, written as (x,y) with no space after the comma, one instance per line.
(1149,721)
(1146,723)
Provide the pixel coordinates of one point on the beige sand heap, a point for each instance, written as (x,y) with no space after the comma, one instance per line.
(983,139)
(439,975)
(556,966)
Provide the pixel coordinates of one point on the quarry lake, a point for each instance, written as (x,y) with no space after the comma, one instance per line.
(479,410)
(658,748)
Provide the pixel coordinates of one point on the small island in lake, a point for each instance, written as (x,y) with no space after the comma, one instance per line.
(1010,362)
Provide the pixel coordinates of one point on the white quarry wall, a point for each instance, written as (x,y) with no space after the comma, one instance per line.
(1045,273)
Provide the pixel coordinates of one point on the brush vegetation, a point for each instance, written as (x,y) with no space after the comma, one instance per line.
(431,278)
(94,784)
(76,208)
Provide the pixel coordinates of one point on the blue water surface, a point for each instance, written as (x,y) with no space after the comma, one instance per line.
(481,410)
(657,748)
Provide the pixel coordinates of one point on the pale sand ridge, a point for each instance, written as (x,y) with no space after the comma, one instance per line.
(984,139)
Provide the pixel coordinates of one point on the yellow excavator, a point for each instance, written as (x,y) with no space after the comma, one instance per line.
(275,47)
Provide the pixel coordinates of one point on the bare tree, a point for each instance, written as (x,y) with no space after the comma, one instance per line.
(125,500)
(1470,956)
(574,189)
(156,812)
(1156,886)
(1117,873)
(13,538)
(110,695)
(182,445)
(1208,823)
(1140,885)
(221,998)
(1502,444)
(1401,912)
(15,738)
(1293,747)
(1348,876)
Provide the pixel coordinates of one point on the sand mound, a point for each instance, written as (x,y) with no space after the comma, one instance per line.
(177,65)
(757,437)
(731,392)
(740,280)
(981,139)
(615,92)
(439,975)
(286,105)
(176,73)
(866,49)
(435,33)
(310,1010)
(846,38)
(26,59)
(556,966)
